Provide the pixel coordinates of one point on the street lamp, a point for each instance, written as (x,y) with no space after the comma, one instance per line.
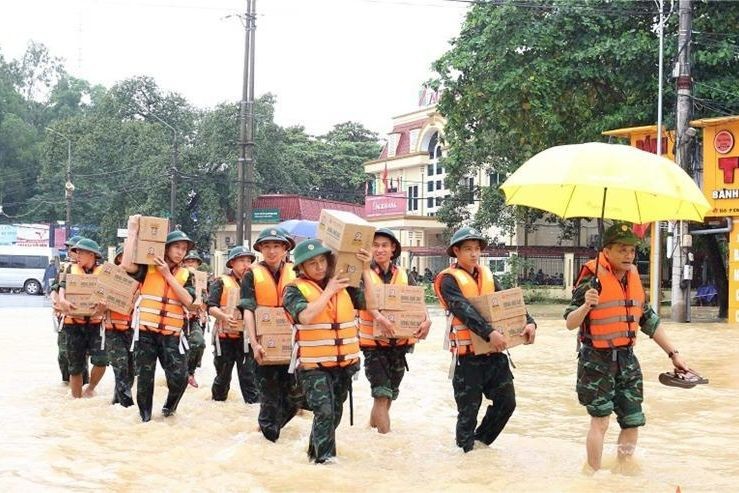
(68,186)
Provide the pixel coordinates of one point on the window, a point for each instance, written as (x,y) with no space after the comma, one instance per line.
(413,198)
(496,178)
(392,144)
(23,262)
(434,149)
(4,261)
(430,169)
(438,201)
(429,202)
(439,184)
(413,135)
(430,186)
(439,168)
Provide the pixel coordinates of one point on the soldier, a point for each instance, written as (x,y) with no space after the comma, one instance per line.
(196,319)
(326,346)
(262,285)
(61,340)
(118,338)
(159,318)
(83,333)
(230,346)
(384,358)
(475,375)
(608,306)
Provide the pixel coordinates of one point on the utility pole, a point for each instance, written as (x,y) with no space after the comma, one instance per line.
(682,153)
(246,139)
(655,271)
(68,185)
(173,183)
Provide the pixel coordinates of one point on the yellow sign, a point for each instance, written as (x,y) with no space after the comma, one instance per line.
(720,164)
(645,138)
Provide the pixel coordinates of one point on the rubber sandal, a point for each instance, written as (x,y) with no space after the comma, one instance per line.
(685,380)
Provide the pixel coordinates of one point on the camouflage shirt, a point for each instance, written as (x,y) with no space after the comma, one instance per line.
(295,302)
(648,322)
(462,309)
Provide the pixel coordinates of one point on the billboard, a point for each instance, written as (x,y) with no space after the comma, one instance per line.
(390,204)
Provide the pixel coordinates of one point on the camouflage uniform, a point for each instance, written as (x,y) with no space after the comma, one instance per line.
(196,341)
(61,341)
(611,380)
(325,389)
(232,352)
(166,348)
(84,339)
(280,394)
(478,375)
(117,346)
(384,367)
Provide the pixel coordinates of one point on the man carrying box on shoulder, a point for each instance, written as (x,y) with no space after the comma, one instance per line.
(476,375)
(384,358)
(159,317)
(262,286)
(228,334)
(195,321)
(82,332)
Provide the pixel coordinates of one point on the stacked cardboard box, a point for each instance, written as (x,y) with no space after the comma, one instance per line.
(231,307)
(506,312)
(403,305)
(117,288)
(274,334)
(345,233)
(151,239)
(82,291)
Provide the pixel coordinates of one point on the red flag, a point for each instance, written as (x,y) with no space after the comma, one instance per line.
(640,230)
(366,188)
(384,177)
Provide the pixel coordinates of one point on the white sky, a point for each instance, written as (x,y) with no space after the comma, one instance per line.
(328,61)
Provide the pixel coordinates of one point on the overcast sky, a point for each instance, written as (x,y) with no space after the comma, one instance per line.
(327,61)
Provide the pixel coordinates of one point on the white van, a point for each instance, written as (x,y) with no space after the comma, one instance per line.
(23,267)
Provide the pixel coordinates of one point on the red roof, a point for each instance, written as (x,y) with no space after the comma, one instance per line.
(299,207)
(405,139)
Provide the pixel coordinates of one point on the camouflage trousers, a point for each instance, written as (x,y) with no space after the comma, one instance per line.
(151,347)
(475,376)
(609,381)
(83,340)
(325,393)
(117,345)
(384,367)
(280,397)
(61,358)
(232,353)
(196,341)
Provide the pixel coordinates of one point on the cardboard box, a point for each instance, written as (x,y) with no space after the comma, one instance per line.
(349,266)
(117,288)
(404,323)
(232,300)
(81,284)
(84,303)
(277,348)
(344,232)
(511,329)
(272,321)
(396,297)
(145,251)
(153,229)
(500,305)
(201,285)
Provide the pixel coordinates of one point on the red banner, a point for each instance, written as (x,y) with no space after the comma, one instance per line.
(392,204)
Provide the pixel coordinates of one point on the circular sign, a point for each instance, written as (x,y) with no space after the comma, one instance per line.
(723,142)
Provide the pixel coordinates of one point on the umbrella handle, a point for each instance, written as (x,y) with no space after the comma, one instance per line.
(594,281)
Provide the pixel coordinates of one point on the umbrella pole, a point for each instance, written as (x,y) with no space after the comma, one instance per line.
(595,283)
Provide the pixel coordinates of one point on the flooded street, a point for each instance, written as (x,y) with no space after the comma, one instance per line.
(52,442)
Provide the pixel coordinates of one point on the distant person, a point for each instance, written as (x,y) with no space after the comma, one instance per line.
(608,316)
(49,275)
(428,276)
(414,275)
(196,320)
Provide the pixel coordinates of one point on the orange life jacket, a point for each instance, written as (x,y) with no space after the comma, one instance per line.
(76,269)
(159,309)
(117,321)
(330,340)
(367,321)
(460,338)
(229,283)
(266,291)
(615,319)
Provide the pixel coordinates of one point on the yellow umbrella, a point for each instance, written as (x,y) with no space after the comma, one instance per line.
(608,181)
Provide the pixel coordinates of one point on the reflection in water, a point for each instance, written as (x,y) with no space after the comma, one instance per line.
(51,441)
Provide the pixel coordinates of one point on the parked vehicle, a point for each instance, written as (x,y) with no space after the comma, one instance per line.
(23,267)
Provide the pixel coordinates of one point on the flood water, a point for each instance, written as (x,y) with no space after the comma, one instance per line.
(51,442)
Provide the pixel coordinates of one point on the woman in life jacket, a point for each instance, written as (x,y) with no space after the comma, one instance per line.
(326,354)
(167,291)
(609,378)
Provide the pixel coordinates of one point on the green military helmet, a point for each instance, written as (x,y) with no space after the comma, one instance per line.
(308,249)
(389,234)
(178,235)
(273,234)
(239,251)
(193,255)
(620,232)
(464,234)
(287,236)
(89,246)
(72,241)
(118,251)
